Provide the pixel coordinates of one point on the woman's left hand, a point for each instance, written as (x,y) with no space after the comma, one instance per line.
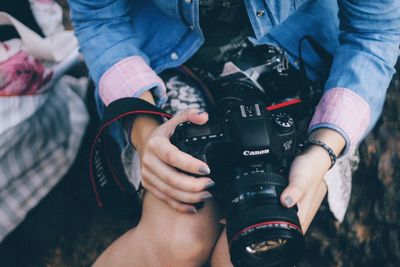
(306,185)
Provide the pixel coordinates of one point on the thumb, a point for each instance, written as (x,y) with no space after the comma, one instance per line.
(302,176)
(306,173)
(294,192)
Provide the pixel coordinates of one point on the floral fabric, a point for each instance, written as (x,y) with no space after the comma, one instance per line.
(21,74)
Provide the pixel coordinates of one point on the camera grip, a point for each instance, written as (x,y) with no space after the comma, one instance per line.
(193,145)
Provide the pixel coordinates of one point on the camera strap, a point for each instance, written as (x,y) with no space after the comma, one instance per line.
(322,53)
(107,176)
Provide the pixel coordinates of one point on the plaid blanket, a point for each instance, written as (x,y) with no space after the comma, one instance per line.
(42,121)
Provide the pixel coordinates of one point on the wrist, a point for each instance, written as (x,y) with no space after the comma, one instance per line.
(332,144)
(141,129)
(331,138)
(142,125)
(332,156)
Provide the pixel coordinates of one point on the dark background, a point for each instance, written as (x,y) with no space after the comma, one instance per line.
(67,229)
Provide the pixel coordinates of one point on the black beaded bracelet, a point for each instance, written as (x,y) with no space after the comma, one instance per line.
(331,154)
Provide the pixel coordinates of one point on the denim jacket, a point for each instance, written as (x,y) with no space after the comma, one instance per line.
(125,44)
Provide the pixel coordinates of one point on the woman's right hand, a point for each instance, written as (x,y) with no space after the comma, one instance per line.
(162,163)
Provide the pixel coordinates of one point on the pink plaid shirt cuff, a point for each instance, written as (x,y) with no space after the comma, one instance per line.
(344,111)
(130,77)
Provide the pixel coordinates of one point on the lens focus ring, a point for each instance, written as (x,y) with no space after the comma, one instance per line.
(259,177)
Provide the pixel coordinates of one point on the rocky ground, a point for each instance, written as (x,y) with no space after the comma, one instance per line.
(67,229)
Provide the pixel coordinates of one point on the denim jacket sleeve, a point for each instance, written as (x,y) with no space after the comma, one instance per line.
(111,49)
(362,68)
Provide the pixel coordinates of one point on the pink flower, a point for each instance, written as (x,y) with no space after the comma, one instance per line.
(21,74)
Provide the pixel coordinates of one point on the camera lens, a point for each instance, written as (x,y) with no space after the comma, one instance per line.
(260,248)
(261,231)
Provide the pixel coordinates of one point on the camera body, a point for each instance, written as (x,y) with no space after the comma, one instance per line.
(243,134)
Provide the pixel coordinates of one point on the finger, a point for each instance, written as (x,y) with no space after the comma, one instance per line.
(175,178)
(181,207)
(179,195)
(193,115)
(171,155)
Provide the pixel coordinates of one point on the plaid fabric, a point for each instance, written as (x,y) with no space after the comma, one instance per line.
(344,111)
(36,153)
(130,77)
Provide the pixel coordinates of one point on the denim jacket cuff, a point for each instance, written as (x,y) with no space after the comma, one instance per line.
(344,111)
(130,77)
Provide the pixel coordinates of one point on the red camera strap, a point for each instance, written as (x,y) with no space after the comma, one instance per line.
(107,175)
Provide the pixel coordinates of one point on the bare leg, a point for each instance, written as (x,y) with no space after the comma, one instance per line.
(165,237)
(220,256)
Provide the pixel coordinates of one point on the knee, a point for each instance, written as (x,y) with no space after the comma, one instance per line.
(184,244)
(176,239)
(190,246)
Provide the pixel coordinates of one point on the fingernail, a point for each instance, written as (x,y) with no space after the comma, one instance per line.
(206,196)
(288,201)
(200,112)
(211,183)
(192,210)
(204,170)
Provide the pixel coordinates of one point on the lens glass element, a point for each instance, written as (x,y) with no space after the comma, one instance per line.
(265,246)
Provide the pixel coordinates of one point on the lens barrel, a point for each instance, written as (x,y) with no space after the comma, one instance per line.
(261,231)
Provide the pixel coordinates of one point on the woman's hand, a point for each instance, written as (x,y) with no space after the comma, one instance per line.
(307,173)
(162,163)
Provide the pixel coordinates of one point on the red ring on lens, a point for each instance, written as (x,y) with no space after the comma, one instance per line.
(262,224)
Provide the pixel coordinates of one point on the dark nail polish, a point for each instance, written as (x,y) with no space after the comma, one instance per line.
(204,170)
(211,183)
(288,201)
(192,210)
(206,196)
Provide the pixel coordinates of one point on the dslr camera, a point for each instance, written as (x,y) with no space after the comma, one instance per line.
(249,149)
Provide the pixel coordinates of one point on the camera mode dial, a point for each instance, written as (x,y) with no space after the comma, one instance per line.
(284,121)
